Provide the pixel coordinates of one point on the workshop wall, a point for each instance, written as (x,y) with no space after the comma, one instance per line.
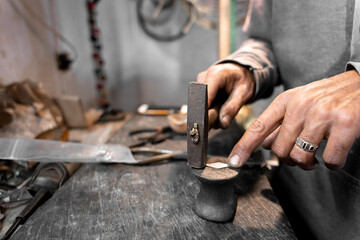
(27,50)
(24,46)
(139,69)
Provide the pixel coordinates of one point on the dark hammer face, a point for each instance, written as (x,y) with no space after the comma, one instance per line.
(197,125)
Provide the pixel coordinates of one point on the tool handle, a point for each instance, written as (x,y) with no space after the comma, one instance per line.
(71,167)
(156,158)
(40,197)
(213,115)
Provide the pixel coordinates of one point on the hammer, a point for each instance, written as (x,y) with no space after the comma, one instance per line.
(199,121)
(216,200)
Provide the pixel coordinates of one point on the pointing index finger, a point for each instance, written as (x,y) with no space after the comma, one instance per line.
(263,126)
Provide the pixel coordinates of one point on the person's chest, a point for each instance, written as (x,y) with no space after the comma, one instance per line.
(311,39)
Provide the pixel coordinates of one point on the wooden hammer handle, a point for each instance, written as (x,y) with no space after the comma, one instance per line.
(213,115)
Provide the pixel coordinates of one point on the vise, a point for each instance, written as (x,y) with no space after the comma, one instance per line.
(216,200)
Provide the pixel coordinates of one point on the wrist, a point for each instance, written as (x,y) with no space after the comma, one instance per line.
(250,78)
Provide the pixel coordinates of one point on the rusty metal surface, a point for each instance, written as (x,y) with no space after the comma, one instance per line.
(197,114)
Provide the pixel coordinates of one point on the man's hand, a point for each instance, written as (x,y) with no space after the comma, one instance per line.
(325,109)
(237,81)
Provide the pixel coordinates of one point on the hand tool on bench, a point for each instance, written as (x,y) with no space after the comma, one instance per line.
(158,135)
(46,179)
(148,155)
(216,200)
(145,155)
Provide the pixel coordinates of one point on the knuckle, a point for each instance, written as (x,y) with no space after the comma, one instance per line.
(302,101)
(230,109)
(289,93)
(283,96)
(309,137)
(257,126)
(279,150)
(275,110)
(323,112)
(302,160)
(339,148)
(286,129)
(291,115)
(346,119)
(214,70)
(284,99)
(200,77)
(248,88)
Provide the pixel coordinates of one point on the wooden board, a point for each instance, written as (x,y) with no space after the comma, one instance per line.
(152,202)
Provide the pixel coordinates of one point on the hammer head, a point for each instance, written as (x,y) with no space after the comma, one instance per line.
(197,125)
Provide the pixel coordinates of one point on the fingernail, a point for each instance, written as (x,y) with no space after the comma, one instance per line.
(226,121)
(234,160)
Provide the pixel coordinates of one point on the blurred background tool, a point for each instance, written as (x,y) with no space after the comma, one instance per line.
(156,135)
(177,122)
(46,179)
(146,109)
(148,155)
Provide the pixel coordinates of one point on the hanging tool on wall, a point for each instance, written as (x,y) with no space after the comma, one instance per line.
(159,18)
(109,114)
(207,12)
(95,37)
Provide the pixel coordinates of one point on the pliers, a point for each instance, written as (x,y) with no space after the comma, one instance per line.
(159,134)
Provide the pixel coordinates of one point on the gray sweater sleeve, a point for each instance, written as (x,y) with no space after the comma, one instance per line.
(354,62)
(256,53)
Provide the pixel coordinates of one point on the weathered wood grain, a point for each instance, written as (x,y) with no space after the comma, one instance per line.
(152,202)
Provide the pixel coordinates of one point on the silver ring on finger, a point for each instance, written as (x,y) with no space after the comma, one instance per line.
(306,146)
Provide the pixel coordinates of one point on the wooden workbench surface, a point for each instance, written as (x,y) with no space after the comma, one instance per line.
(120,201)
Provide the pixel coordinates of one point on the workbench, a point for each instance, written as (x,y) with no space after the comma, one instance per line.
(118,201)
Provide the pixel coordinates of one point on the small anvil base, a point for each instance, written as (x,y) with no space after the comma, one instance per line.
(216,200)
